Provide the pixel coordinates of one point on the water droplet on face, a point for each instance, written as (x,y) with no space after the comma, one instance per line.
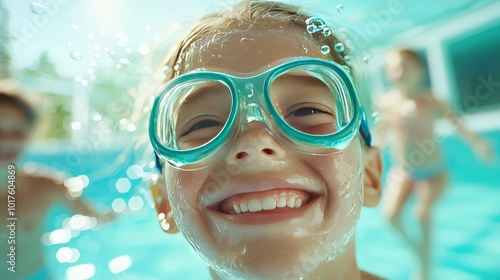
(176,67)
(339,47)
(340,8)
(76,56)
(37,8)
(347,60)
(306,50)
(327,32)
(325,49)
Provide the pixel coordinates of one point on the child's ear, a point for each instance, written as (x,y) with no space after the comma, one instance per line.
(372,177)
(165,217)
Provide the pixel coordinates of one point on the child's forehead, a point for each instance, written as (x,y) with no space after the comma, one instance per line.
(246,50)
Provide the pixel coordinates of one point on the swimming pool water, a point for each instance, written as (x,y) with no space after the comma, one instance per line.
(466,225)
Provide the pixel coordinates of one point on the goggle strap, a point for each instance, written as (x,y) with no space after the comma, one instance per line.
(364,129)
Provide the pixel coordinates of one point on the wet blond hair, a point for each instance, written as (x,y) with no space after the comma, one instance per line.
(248,13)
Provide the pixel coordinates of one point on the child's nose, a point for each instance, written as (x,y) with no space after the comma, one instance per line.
(255,143)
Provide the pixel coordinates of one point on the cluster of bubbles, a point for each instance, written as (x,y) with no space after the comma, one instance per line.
(99,51)
(317,25)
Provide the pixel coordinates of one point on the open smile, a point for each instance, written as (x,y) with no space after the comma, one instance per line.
(268,205)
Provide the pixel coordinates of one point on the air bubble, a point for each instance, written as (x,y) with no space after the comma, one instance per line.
(74,26)
(347,60)
(147,27)
(325,49)
(124,61)
(366,59)
(311,29)
(340,8)
(327,32)
(37,8)
(346,68)
(306,50)
(375,116)
(76,56)
(339,47)
(118,66)
(69,44)
(144,49)
(315,24)
(176,67)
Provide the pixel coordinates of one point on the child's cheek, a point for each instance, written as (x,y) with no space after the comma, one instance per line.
(182,189)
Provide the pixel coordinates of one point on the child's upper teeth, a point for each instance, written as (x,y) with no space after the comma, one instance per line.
(268,202)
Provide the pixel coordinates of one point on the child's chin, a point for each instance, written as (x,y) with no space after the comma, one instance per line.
(274,259)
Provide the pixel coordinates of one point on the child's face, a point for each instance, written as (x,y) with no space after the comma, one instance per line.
(14,132)
(404,70)
(259,168)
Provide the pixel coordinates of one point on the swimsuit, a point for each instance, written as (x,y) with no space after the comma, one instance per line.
(427,172)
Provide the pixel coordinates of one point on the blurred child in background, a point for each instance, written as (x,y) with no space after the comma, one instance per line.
(33,195)
(410,111)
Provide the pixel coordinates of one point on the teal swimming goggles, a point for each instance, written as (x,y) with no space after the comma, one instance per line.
(308,104)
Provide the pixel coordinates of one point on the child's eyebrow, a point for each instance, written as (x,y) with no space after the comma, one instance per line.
(302,79)
(194,95)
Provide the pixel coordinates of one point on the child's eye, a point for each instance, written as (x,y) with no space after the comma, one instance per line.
(201,125)
(306,111)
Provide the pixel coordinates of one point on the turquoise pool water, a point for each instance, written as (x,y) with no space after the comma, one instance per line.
(466,226)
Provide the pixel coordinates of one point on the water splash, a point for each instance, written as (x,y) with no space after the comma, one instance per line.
(339,47)
(325,49)
(37,8)
(340,8)
(76,56)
